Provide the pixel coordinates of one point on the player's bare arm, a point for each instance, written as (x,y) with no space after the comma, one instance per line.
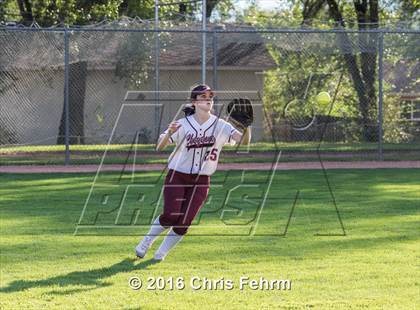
(243,138)
(164,141)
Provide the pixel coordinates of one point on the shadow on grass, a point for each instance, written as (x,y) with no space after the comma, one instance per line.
(86,278)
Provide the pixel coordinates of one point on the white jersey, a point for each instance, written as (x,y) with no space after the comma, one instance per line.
(198,146)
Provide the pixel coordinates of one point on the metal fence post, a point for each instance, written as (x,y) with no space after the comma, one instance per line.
(215,86)
(157,88)
(380,95)
(203,49)
(66,97)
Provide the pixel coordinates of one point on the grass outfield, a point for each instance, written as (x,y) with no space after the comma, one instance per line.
(257,152)
(375,266)
(260,146)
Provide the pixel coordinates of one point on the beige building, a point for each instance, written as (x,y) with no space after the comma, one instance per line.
(32,101)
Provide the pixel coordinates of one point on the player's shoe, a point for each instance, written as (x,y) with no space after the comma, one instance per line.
(159,256)
(143,246)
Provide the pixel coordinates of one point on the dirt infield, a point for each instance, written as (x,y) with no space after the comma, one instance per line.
(232,166)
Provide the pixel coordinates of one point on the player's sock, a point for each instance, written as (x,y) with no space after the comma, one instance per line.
(148,239)
(168,243)
(156,229)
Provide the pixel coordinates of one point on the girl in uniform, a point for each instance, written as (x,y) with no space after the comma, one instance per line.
(199,138)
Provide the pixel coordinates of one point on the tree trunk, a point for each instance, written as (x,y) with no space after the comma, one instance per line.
(367,18)
(77,89)
(363,78)
(310,9)
(182,11)
(210,5)
(25,8)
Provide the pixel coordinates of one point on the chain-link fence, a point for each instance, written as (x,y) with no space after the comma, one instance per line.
(69,95)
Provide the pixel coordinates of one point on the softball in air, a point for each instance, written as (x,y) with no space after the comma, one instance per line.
(323,98)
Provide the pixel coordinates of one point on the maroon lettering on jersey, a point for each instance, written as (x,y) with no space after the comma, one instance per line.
(199,142)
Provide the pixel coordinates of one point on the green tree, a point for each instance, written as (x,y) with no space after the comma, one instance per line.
(81,12)
(361,66)
(359,53)
(53,12)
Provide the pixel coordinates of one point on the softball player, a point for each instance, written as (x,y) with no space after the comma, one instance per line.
(199,139)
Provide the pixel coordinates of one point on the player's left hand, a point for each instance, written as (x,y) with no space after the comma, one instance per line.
(241,112)
(173,127)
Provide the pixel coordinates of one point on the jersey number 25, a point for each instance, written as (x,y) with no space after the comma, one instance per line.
(212,155)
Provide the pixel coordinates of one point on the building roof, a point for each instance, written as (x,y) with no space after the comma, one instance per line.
(233,50)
